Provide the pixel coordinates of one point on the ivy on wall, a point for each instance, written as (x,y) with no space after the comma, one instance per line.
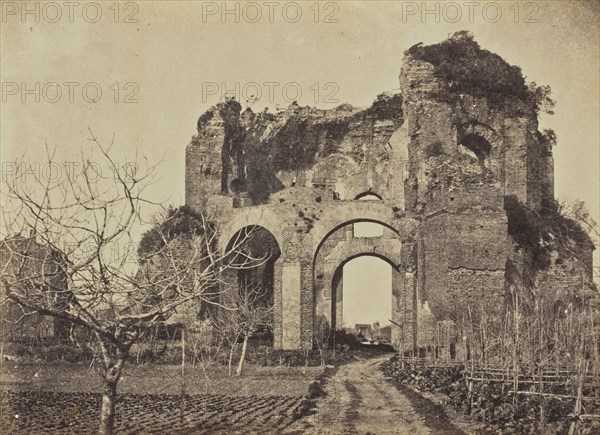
(465,67)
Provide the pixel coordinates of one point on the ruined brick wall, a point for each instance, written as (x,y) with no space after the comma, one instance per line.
(203,161)
(345,150)
(442,155)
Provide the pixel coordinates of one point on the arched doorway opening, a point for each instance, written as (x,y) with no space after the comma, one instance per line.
(362,297)
(249,280)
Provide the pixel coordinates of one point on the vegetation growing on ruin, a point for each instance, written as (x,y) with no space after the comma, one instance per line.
(205,119)
(547,138)
(460,62)
(177,221)
(540,234)
(386,106)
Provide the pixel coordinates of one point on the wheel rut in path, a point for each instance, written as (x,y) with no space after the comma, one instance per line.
(359,400)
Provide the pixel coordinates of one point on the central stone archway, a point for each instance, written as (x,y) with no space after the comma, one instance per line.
(339,246)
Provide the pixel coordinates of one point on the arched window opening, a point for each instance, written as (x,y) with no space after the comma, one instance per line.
(368,196)
(368,229)
(367,298)
(476,146)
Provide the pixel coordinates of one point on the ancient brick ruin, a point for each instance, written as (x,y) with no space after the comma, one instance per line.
(436,159)
(28,259)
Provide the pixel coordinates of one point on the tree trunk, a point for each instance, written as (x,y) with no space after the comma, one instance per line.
(230,362)
(206,379)
(109,399)
(242,356)
(114,357)
(182,402)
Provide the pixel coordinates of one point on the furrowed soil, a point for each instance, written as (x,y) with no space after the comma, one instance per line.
(353,398)
(65,399)
(36,412)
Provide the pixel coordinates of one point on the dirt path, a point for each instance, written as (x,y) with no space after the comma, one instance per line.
(360,400)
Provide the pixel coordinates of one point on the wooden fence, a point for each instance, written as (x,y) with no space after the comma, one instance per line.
(581,387)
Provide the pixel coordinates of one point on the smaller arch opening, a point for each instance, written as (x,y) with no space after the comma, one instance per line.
(362,296)
(476,146)
(367,286)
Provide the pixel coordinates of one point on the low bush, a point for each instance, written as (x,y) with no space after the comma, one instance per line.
(63,352)
(345,341)
(47,351)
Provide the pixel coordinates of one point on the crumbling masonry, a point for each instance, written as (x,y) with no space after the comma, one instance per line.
(437,164)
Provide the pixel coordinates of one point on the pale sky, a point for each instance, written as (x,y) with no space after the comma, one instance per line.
(367,299)
(178,48)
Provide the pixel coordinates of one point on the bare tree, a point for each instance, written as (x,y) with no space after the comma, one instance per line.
(248,311)
(254,314)
(63,258)
(322,335)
